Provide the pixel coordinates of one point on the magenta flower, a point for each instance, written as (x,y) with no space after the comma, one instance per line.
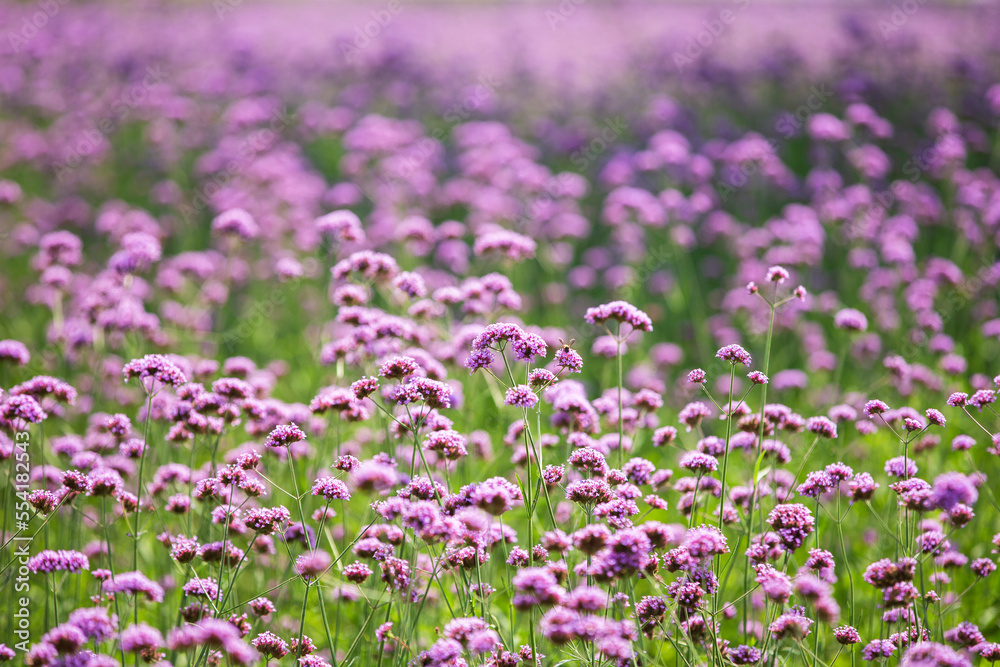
(734,354)
(154,368)
(284,435)
(521,396)
(621,312)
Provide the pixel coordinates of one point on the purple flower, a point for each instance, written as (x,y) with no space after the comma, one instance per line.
(983,567)
(900,466)
(368,265)
(528,346)
(935,417)
(535,586)
(398,367)
(697,376)
(270,645)
(664,436)
(45,385)
(14,351)
(496,495)
(863,487)
(705,542)
(365,387)
(951,488)
(154,368)
(95,622)
(357,573)
(776,274)
(588,491)
(569,360)
(958,399)
(331,488)
(744,655)
(141,638)
(878,649)
(511,245)
(312,564)
(237,222)
(66,639)
(698,462)
(383,631)
(133,583)
(521,396)
(265,521)
(23,408)
(791,625)
(693,413)
(342,225)
(845,635)
(930,654)
(875,407)
(448,443)
(822,426)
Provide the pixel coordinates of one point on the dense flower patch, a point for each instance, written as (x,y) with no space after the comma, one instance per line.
(301,366)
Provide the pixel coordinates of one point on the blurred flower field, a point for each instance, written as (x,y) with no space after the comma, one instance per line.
(561,334)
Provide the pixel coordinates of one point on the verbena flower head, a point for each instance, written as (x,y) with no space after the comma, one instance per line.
(822,426)
(41,386)
(846,635)
(521,396)
(331,488)
(141,638)
(154,368)
(22,408)
(569,360)
(398,367)
(621,312)
(284,435)
(133,583)
(958,399)
(850,320)
(496,495)
(735,354)
(931,654)
(699,462)
(236,222)
(776,274)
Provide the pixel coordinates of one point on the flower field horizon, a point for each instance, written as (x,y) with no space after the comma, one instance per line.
(471,335)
